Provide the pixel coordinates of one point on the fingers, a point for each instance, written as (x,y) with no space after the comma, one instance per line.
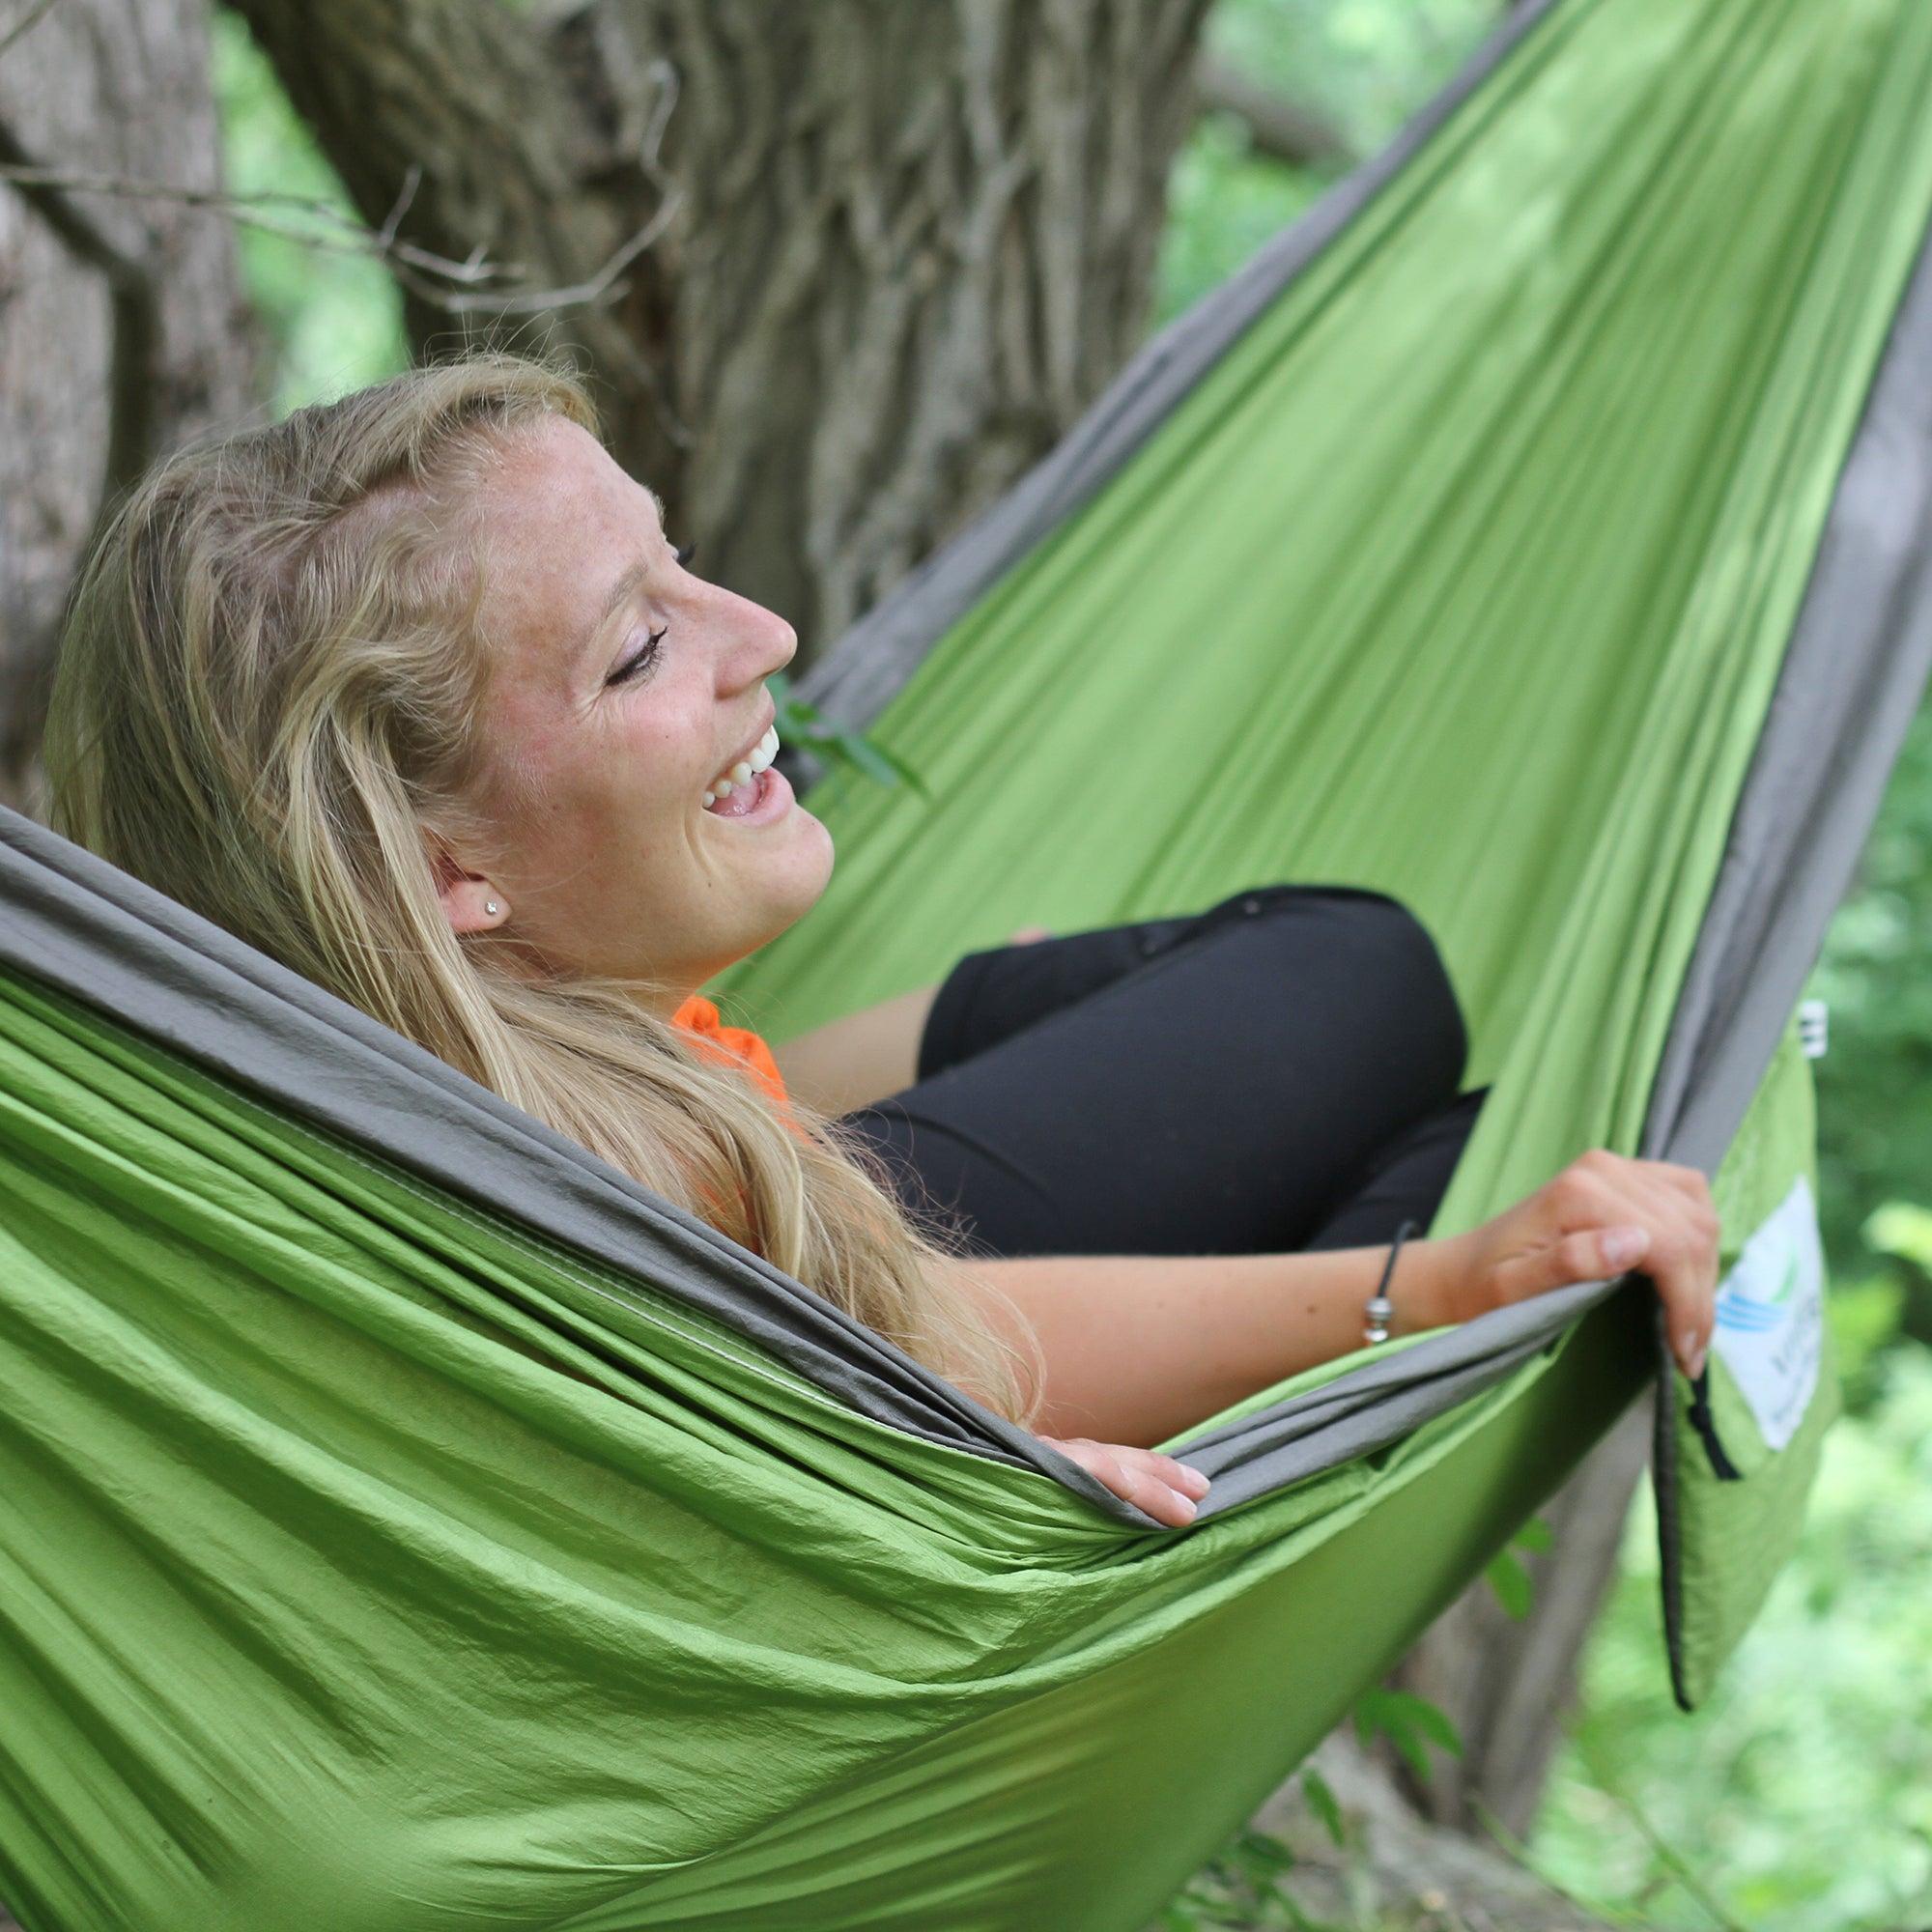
(1605,1216)
(1664,1213)
(1156,1485)
(1594,1254)
(1030,935)
(1674,1206)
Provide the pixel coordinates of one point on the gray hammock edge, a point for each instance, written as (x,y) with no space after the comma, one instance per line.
(1850,683)
(869,664)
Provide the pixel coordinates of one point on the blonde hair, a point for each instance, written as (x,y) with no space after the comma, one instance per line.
(266,704)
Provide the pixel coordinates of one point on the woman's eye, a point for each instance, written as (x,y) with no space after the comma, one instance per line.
(639,662)
(684,552)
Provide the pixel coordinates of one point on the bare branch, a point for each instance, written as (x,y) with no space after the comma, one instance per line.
(385,239)
(579,294)
(1285,131)
(30,19)
(424,274)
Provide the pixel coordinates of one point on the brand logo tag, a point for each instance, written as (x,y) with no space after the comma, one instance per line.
(1771,1316)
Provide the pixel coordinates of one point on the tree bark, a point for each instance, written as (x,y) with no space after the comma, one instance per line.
(1396,1870)
(1295,132)
(1508,1686)
(120,88)
(910,246)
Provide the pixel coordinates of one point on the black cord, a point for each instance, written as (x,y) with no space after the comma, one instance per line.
(1380,1311)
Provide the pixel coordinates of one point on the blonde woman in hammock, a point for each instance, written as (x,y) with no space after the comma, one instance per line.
(414,693)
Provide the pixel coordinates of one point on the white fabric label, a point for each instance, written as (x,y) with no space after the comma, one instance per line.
(1771,1316)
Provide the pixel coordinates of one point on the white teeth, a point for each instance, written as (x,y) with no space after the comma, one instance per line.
(746,769)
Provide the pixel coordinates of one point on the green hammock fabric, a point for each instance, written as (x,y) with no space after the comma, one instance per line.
(370,1563)
(365,1565)
(1465,576)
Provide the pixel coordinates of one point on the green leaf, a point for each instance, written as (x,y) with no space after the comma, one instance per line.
(802,724)
(1510,1582)
(1410,1724)
(1322,1801)
(1902,1228)
(1433,1721)
(1261,1857)
(1536,1536)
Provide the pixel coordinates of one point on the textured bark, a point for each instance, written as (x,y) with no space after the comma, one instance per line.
(912,243)
(1396,1870)
(1295,132)
(115,87)
(1508,1686)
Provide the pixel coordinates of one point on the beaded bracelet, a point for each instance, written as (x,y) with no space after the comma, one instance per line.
(1380,1311)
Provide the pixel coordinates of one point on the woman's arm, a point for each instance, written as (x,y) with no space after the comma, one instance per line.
(854,1062)
(1137,1348)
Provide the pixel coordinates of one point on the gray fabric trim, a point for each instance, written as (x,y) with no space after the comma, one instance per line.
(865,670)
(1371,1407)
(1851,683)
(1842,704)
(89,930)
(92,932)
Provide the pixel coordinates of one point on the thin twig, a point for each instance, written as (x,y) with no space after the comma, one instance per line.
(1673,1862)
(385,239)
(578,294)
(339,232)
(30,19)
(323,226)
(1513,1849)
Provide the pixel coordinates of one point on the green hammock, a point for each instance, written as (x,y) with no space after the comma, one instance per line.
(406,1522)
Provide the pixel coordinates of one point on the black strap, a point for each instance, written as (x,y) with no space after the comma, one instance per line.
(1706,1425)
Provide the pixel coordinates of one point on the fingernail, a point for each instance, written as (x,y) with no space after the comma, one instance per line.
(1624,1246)
(1695,1354)
(1187,1509)
(1198,1485)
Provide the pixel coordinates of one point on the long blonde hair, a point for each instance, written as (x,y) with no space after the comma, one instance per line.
(268,702)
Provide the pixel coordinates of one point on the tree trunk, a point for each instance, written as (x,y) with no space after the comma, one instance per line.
(1393,1869)
(910,243)
(1508,1686)
(122,331)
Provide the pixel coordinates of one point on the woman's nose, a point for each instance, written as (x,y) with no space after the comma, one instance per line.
(759,642)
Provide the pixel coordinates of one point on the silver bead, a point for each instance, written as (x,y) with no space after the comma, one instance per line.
(490,907)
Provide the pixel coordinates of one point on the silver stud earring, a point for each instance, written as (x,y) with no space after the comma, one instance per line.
(490,907)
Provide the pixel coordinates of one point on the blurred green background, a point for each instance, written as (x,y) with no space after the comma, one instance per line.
(1800,1799)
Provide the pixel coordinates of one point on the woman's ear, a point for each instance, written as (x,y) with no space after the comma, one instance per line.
(469,901)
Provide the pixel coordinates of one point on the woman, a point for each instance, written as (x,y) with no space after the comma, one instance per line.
(412,693)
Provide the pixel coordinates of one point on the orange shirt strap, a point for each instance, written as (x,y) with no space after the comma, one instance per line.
(700,1017)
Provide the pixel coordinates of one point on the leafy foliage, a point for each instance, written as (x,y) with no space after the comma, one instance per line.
(1370,64)
(806,728)
(1802,1794)
(1506,1574)
(1410,1724)
(1239,1892)
(1875,1126)
(334,321)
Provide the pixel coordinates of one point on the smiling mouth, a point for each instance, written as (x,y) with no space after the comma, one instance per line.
(742,788)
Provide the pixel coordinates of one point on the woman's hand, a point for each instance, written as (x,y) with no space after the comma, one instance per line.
(1156,1485)
(1602,1216)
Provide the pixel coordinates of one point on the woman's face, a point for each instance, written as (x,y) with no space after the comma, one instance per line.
(622,690)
